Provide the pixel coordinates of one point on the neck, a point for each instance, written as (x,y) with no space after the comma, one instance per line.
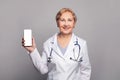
(60,35)
(64,39)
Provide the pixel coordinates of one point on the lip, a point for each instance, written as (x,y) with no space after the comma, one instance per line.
(66,28)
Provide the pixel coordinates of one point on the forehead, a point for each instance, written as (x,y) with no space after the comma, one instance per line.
(66,15)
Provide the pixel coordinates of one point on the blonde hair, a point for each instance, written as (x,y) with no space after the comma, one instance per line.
(63,10)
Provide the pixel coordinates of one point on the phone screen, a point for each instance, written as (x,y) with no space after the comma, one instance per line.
(28,37)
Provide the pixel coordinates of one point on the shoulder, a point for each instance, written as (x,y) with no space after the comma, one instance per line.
(81,41)
(49,40)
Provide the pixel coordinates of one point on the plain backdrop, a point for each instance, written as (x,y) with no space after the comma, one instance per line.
(98,23)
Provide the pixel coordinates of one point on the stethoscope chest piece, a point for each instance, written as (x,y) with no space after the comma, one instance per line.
(49,59)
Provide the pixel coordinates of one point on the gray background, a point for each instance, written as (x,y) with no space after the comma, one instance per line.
(98,23)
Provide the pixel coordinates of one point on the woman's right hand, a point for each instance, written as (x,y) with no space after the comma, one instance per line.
(30,49)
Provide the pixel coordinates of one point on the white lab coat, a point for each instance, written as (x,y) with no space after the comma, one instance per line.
(61,66)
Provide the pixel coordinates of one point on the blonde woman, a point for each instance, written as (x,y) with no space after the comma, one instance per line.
(65,55)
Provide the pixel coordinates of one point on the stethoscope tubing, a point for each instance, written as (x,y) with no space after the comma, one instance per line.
(76,44)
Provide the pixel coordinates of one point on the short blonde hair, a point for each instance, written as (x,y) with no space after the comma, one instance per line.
(63,10)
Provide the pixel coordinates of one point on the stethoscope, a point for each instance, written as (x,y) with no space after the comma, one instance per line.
(74,50)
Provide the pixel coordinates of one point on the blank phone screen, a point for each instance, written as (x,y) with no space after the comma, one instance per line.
(28,37)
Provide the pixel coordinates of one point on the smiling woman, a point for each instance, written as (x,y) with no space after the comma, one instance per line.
(66,20)
(65,52)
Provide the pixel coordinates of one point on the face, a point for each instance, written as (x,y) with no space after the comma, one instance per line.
(66,23)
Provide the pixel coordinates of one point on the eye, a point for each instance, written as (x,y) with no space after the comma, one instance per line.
(62,20)
(70,20)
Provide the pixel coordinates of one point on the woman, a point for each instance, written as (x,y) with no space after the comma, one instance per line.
(65,55)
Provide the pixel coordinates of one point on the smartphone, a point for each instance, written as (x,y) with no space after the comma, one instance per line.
(27,37)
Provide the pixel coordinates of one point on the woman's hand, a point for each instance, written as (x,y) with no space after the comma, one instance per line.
(29,48)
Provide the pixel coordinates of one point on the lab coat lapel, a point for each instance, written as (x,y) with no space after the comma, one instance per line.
(55,46)
(70,47)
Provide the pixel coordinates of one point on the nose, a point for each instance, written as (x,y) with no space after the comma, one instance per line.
(66,23)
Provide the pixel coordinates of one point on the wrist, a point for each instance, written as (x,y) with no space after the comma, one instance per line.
(30,51)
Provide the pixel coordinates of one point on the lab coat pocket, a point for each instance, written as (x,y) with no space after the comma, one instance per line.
(79,60)
(72,62)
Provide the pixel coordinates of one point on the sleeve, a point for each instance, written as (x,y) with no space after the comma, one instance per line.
(85,64)
(39,61)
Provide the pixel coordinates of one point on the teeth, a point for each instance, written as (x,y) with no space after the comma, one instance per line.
(65,28)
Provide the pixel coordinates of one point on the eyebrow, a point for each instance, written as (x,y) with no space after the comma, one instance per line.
(64,18)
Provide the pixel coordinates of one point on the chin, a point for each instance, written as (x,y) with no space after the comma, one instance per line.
(67,33)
